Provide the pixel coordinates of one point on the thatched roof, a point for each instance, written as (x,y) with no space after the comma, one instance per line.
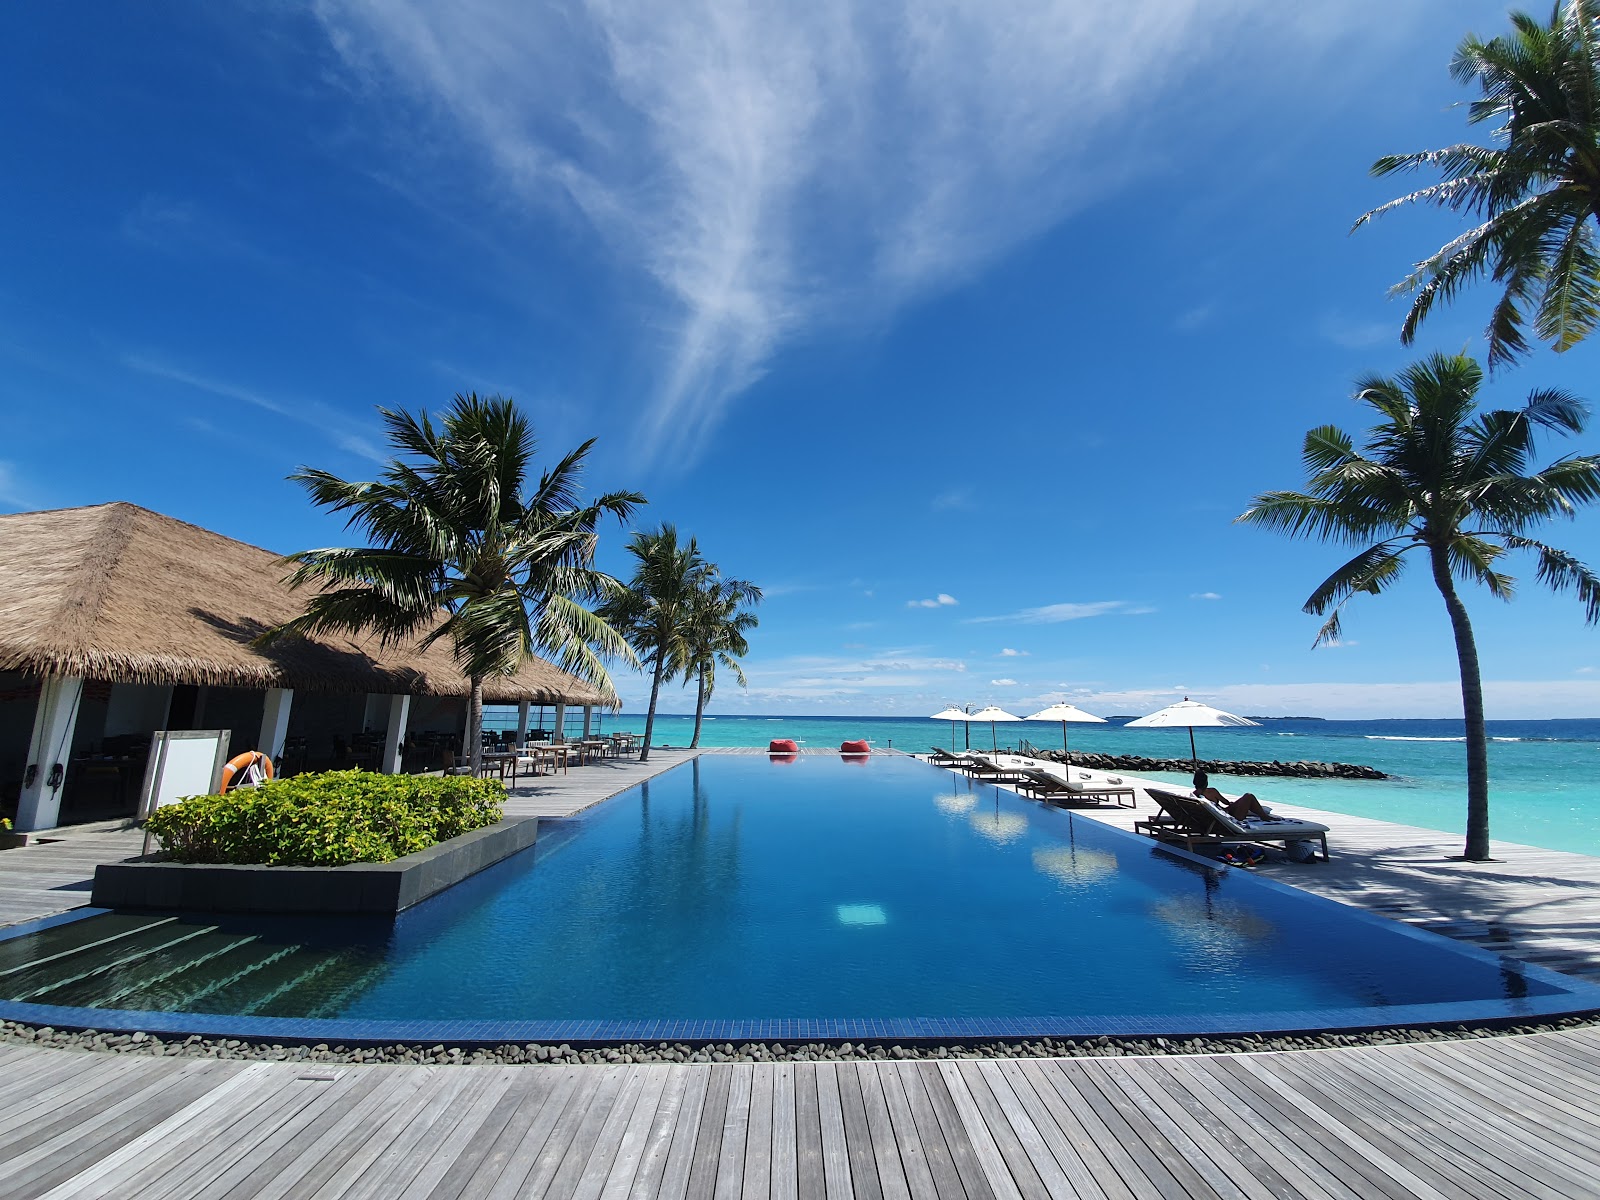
(122,593)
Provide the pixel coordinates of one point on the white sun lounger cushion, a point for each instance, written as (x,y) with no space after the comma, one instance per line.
(1272,828)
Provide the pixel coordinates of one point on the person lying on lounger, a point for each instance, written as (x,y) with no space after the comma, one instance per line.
(1245,806)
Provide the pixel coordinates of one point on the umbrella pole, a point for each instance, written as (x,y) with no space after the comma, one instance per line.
(1063,741)
(1193,753)
(994,739)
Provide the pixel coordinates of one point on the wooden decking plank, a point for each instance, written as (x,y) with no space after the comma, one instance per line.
(1459,1129)
(969,1123)
(835,1149)
(1520,1103)
(916,1156)
(887,1151)
(991,1110)
(1281,1169)
(729,1181)
(478,1144)
(812,1184)
(708,1137)
(1382,1171)
(1568,1085)
(220,1148)
(563,1180)
(1189,1157)
(925,1086)
(1421,1154)
(663,1127)
(1073,1134)
(537,1165)
(1145,1171)
(1549,1132)
(448,1137)
(785,1175)
(105,1137)
(52,1103)
(603,1154)
(532,1130)
(365,1130)
(686,1132)
(37,1073)
(756,1176)
(864,1179)
(1261,1110)
(1079,1179)
(630,1148)
(1032,1139)
(385,1162)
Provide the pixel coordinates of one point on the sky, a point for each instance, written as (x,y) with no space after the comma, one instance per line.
(964,330)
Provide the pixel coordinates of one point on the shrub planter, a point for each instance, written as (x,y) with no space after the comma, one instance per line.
(356,888)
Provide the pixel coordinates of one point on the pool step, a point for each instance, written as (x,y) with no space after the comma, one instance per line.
(134,985)
(33,982)
(18,954)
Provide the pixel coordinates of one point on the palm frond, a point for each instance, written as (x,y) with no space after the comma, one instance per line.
(1562,572)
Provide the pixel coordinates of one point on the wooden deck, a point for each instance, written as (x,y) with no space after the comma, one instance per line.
(1498,1119)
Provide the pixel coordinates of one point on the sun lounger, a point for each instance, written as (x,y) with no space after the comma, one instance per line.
(991,769)
(944,758)
(1193,821)
(1047,785)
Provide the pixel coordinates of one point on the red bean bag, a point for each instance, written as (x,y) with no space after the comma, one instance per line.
(856,747)
(782,746)
(785,758)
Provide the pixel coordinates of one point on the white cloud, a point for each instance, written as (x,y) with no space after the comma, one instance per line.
(307,412)
(1585,670)
(779,166)
(942,600)
(955,498)
(1054,614)
(1008,652)
(1337,644)
(1002,683)
(1503,699)
(1358,335)
(1204,596)
(11,489)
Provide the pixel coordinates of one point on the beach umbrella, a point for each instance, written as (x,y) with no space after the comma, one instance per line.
(1189,714)
(952,714)
(1065,713)
(991,715)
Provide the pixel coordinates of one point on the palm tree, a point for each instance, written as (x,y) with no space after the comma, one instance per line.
(654,610)
(459,552)
(1458,486)
(718,624)
(1535,192)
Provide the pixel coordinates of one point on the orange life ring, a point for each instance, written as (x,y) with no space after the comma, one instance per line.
(245,770)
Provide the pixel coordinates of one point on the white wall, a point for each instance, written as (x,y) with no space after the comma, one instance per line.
(136,708)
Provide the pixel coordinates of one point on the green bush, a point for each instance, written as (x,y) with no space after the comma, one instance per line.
(324,820)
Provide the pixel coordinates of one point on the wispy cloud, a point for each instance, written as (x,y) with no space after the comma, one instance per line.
(1054,614)
(1195,318)
(12,493)
(313,413)
(955,498)
(1003,683)
(942,600)
(1205,596)
(1008,652)
(775,167)
(1357,335)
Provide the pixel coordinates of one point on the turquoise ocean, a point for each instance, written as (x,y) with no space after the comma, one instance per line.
(1544,775)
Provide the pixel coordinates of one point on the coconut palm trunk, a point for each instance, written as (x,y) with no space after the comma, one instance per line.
(699,708)
(475,726)
(657,673)
(1477,847)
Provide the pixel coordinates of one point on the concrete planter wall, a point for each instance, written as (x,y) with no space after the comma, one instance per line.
(364,888)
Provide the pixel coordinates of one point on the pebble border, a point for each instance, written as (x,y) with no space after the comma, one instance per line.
(565,1054)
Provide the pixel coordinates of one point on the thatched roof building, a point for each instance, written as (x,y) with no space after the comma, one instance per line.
(117,592)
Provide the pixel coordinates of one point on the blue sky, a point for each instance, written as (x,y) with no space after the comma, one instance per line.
(965,330)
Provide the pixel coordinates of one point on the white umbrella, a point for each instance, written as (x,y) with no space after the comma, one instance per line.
(1186,714)
(991,715)
(952,714)
(1065,713)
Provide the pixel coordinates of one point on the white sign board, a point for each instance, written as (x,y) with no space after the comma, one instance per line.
(183,762)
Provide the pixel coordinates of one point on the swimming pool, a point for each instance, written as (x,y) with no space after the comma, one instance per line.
(740,897)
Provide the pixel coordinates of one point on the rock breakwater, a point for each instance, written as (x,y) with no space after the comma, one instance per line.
(1216,766)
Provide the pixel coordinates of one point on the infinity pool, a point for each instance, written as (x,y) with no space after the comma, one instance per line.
(767,899)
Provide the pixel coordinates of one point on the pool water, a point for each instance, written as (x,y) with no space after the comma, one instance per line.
(738,888)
